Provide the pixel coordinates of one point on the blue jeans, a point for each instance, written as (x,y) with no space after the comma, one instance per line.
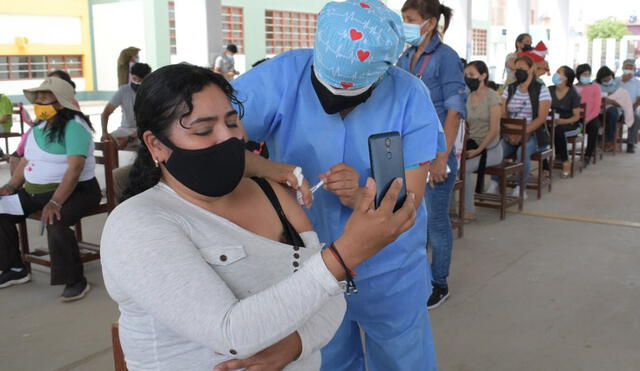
(439,234)
(612,119)
(508,150)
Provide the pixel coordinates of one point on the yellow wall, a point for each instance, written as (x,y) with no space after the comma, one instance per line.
(68,8)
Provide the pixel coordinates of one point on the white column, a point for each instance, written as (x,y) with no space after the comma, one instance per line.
(518,20)
(596,55)
(559,43)
(610,56)
(198,31)
(458,35)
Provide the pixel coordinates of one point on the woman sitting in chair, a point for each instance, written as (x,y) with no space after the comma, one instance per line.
(591,95)
(528,100)
(565,101)
(208,265)
(55,176)
(484,110)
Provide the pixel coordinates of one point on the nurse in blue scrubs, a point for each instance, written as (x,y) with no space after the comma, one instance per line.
(316,109)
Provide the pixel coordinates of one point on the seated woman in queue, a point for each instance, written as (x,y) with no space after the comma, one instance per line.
(565,103)
(529,100)
(608,85)
(484,110)
(590,95)
(55,176)
(212,268)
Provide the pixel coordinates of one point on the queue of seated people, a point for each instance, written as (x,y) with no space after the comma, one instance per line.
(527,98)
(615,100)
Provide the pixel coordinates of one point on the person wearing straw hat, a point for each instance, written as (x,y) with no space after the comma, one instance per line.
(55,176)
(316,109)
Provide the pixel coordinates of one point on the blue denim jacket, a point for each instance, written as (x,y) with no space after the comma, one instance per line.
(444,77)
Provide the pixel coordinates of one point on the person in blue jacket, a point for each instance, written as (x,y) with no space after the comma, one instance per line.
(439,67)
(316,109)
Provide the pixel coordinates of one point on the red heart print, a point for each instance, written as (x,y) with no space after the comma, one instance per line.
(362,55)
(355,35)
(346,85)
(365,5)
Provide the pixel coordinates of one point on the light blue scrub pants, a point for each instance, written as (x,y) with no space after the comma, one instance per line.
(391,310)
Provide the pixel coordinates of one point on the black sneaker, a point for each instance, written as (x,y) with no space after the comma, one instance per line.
(10,277)
(75,291)
(438,295)
(631,148)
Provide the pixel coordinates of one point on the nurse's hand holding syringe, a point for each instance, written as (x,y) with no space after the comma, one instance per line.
(344,181)
(257,166)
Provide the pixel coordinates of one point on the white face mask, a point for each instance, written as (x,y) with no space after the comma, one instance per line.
(343,92)
(627,72)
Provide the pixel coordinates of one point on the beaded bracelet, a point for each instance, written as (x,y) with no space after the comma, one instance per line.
(55,204)
(351,284)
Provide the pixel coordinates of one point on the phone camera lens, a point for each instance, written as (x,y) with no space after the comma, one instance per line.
(387,142)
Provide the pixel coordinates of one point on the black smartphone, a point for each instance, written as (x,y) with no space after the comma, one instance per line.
(387,164)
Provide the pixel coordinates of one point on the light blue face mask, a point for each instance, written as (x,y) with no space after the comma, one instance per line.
(607,83)
(585,80)
(557,80)
(412,33)
(627,72)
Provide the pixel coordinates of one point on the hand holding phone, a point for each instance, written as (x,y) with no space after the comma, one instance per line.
(387,164)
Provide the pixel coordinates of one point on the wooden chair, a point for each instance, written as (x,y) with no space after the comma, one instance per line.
(88,251)
(459,186)
(15,111)
(541,181)
(599,150)
(507,170)
(118,354)
(577,141)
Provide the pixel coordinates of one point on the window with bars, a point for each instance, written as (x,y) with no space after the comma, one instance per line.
(37,66)
(172,28)
(479,41)
(233,27)
(289,30)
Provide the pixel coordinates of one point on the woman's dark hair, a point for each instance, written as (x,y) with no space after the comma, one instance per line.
(163,98)
(569,74)
(526,59)
(603,72)
(430,8)
(63,75)
(582,69)
(520,39)
(482,68)
(59,123)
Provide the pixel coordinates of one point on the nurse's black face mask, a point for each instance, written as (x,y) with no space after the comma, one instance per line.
(332,103)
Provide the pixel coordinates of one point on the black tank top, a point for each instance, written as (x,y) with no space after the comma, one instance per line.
(291,236)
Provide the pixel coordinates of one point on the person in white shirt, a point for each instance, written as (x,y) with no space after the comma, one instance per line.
(225,64)
(631,84)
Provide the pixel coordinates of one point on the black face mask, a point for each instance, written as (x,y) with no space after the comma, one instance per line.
(214,171)
(521,76)
(473,84)
(332,103)
(134,86)
(527,47)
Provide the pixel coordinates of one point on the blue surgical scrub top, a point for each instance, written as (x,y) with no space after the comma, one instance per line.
(444,77)
(282,108)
